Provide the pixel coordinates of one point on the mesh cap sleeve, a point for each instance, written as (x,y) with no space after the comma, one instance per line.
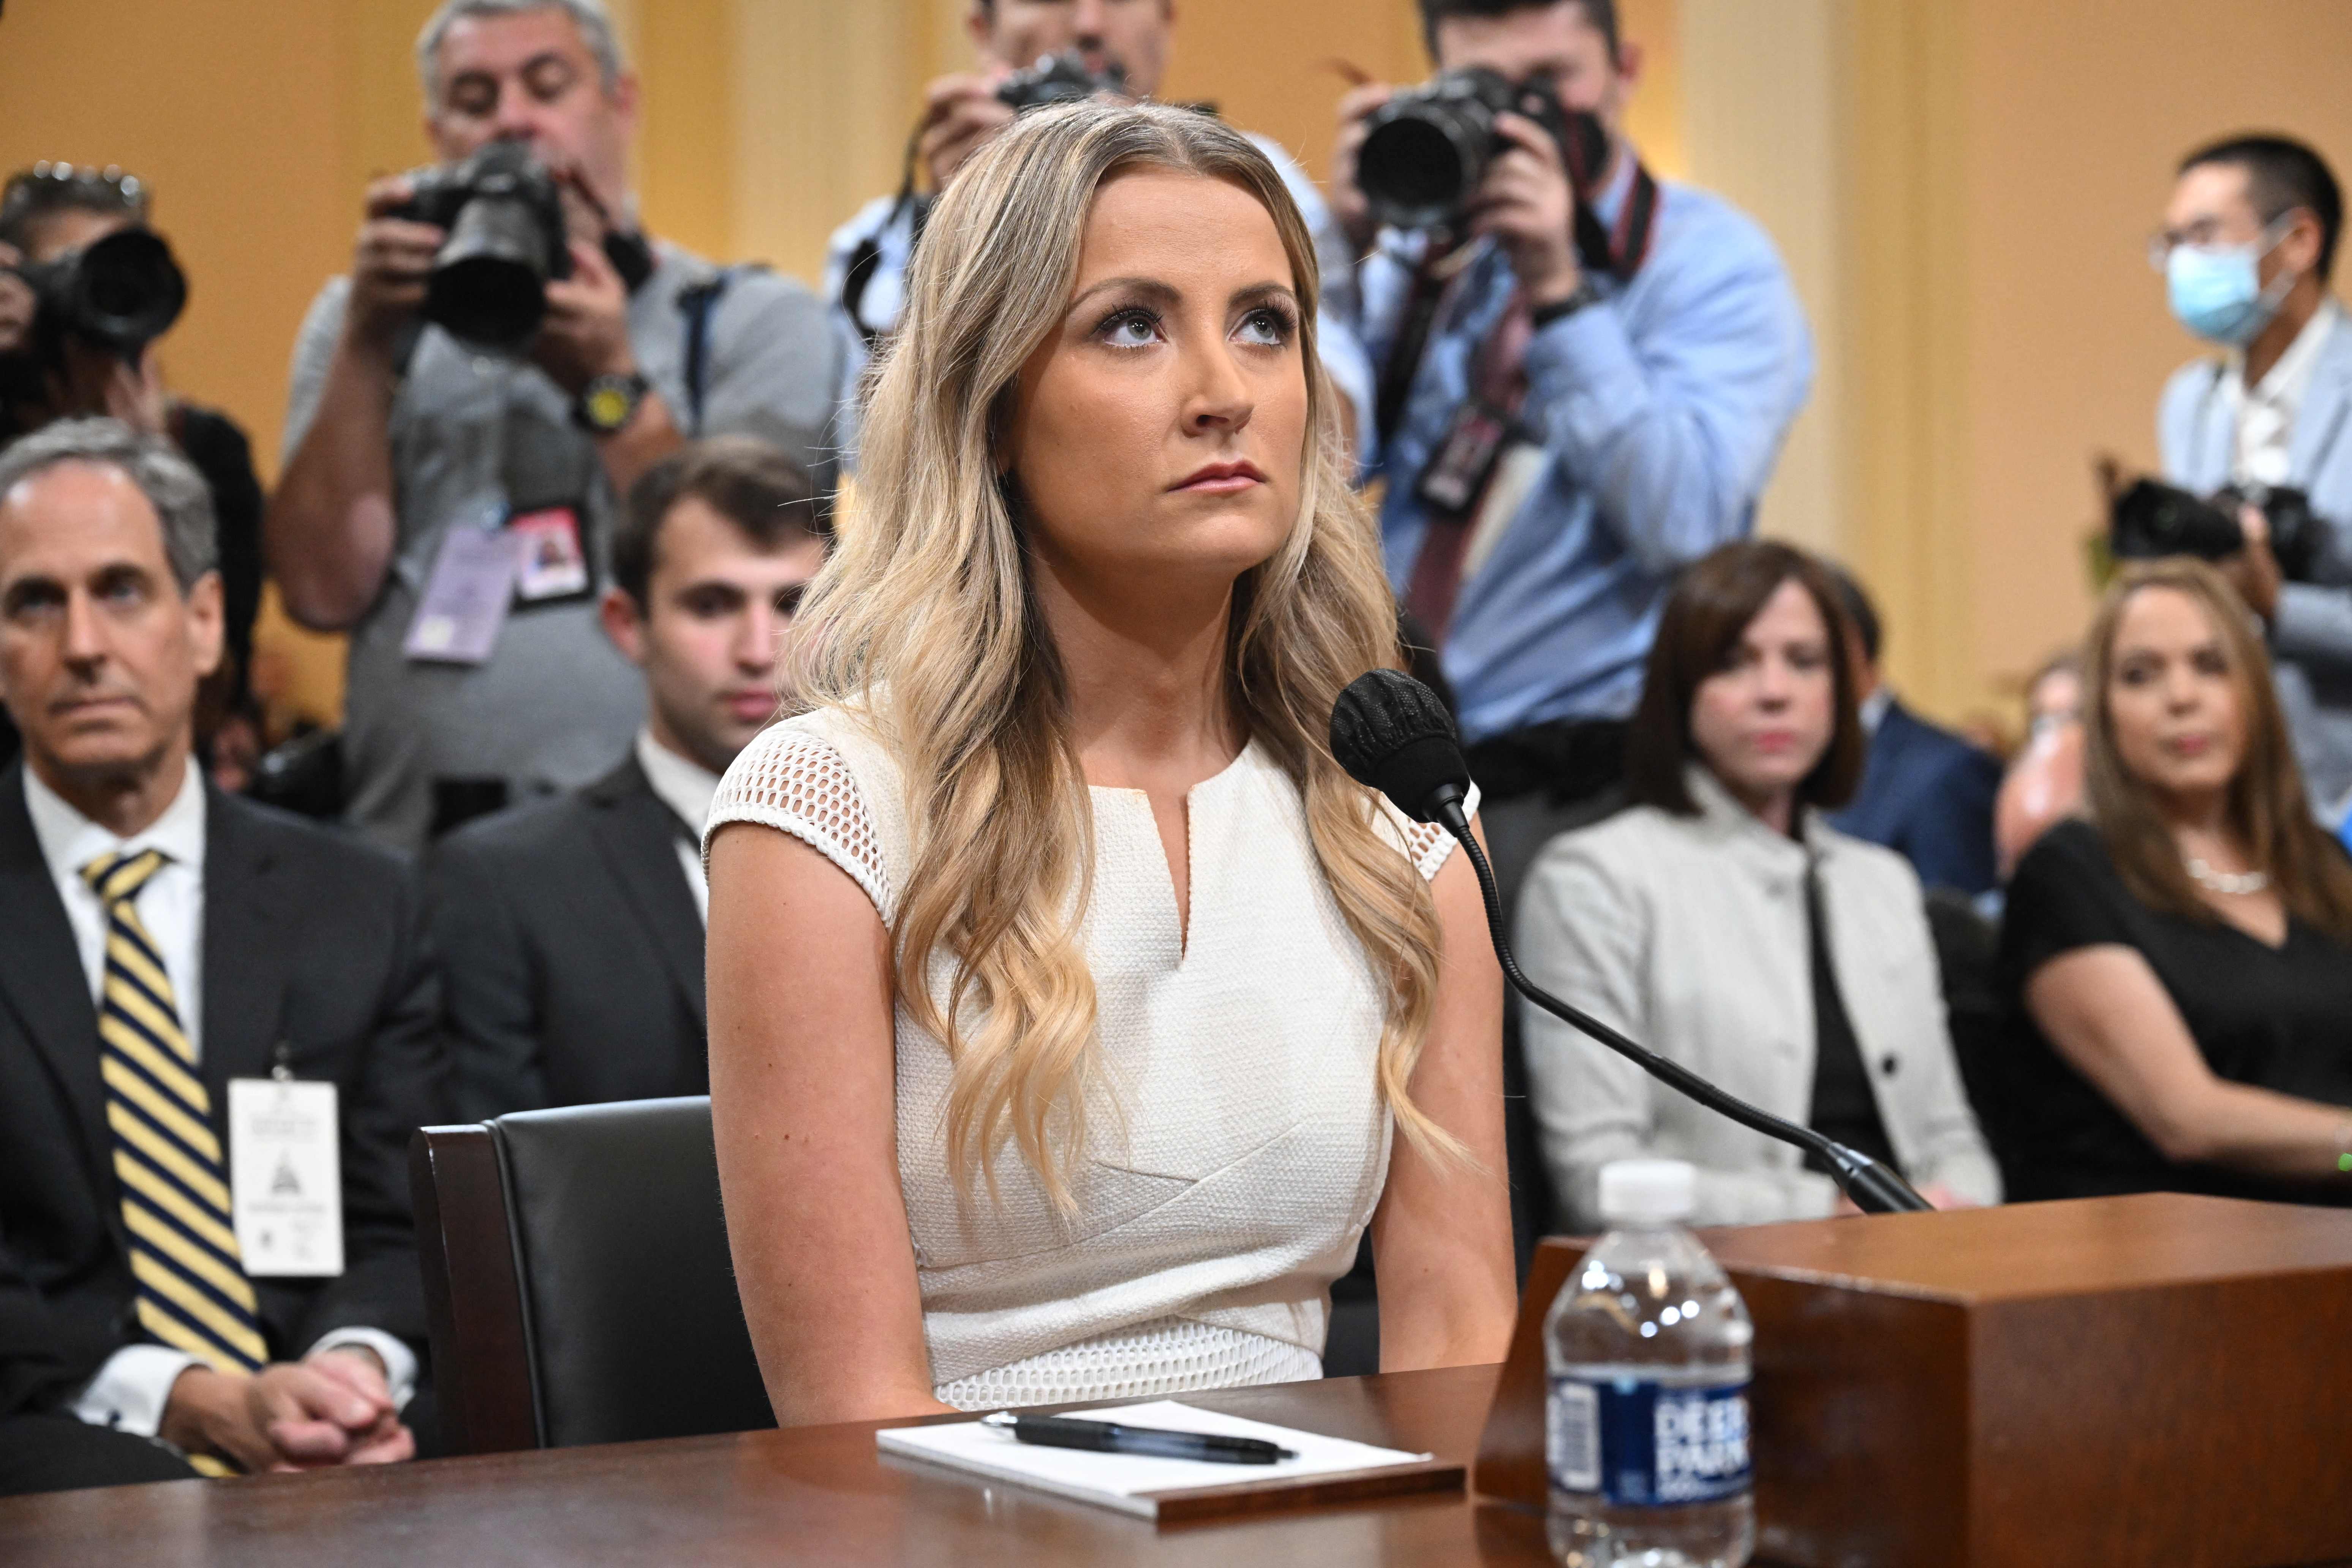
(1426,844)
(799,783)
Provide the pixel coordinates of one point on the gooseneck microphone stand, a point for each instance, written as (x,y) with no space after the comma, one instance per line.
(1391,734)
(1872,1187)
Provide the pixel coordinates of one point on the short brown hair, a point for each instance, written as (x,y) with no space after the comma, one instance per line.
(745,481)
(2267,806)
(1711,606)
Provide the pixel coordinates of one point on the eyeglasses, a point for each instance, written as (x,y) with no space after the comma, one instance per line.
(2204,234)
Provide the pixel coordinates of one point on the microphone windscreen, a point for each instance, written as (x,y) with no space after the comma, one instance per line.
(1392,734)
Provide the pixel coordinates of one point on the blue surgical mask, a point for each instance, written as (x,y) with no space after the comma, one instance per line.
(2218,293)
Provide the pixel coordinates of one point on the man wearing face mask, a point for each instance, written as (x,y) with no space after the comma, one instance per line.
(2248,243)
(451,506)
(1128,40)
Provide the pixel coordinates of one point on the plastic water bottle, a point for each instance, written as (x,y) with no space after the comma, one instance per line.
(1646,1428)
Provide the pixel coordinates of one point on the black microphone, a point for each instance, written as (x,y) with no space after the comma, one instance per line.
(1392,734)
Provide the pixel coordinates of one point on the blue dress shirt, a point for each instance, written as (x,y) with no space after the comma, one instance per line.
(1343,357)
(1661,410)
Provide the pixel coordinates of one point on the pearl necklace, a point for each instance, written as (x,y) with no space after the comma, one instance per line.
(2238,883)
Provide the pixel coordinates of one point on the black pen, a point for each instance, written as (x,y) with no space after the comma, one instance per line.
(1108,1437)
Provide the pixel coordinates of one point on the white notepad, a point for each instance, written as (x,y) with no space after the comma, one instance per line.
(1144,1484)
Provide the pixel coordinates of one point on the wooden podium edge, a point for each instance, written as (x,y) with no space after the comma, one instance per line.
(1510,1463)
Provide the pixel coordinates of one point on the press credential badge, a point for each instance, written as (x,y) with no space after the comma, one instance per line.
(285,1177)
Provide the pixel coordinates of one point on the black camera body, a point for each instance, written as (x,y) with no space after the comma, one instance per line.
(504,213)
(2152,520)
(1426,150)
(1059,78)
(119,293)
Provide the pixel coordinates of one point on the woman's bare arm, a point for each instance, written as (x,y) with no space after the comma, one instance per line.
(1442,1234)
(2108,1017)
(801,1103)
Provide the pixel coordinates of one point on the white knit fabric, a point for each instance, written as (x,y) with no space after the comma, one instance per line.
(1237,1145)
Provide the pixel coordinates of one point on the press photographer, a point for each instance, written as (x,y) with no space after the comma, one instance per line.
(86,290)
(1585,373)
(511,351)
(1034,52)
(2247,247)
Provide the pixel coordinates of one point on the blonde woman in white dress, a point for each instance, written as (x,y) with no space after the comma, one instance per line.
(1072,1015)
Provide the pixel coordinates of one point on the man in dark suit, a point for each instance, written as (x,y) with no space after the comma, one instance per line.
(1926,793)
(166,952)
(571,930)
(44,1452)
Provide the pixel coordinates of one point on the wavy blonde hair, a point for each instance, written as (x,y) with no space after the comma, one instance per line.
(923,622)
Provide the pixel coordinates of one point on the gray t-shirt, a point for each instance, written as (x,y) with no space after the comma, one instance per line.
(555,705)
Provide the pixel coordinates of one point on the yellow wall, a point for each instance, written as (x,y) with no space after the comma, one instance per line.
(1961,188)
(2075,116)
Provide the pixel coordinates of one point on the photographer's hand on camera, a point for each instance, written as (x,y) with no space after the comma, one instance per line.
(390,263)
(2255,571)
(92,380)
(960,113)
(586,331)
(586,336)
(1529,208)
(1349,208)
(329,529)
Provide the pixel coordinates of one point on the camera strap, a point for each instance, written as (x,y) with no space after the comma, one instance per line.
(1479,474)
(699,301)
(1617,249)
(1426,293)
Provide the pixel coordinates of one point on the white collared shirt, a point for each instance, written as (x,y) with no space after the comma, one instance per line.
(1872,709)
(2263,418)
(171,906)
(687,787)
(133,1388)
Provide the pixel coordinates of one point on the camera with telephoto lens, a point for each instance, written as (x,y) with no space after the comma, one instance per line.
(507,238)
(2151,520)
(119,293)
(1426,150)
(1059,78)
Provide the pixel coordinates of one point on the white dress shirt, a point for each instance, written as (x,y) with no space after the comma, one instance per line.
(2264,416)
(132,1389)
(687,787)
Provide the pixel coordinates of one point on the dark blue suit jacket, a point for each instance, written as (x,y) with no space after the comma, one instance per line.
(1927,794)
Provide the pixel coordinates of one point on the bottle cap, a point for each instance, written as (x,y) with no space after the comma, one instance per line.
(1647,1192)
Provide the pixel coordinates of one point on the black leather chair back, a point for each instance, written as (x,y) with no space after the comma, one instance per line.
(622,1307)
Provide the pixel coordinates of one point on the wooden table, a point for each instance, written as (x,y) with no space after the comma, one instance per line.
(815,1495)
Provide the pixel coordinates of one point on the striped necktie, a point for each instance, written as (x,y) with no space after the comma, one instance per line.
(193,1291)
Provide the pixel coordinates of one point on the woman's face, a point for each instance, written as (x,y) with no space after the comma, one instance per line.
(1763,720)
(1158,432)
(2173,699)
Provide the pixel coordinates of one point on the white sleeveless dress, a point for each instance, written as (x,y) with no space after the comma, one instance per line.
(1232,1180)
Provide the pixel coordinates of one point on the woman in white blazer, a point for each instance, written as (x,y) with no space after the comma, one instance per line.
(1718,921)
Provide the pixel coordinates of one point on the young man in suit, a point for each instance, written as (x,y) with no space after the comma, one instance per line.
(571,930)
(1926,794)
(159,942)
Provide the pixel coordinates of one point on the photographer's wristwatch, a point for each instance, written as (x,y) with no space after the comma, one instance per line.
(608,403)
(1587,293)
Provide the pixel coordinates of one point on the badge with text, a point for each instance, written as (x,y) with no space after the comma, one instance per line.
(1458,470)
(551,558)
(285,1177)
(465,598)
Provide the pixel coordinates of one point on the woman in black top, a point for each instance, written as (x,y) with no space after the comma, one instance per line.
(2181,962)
